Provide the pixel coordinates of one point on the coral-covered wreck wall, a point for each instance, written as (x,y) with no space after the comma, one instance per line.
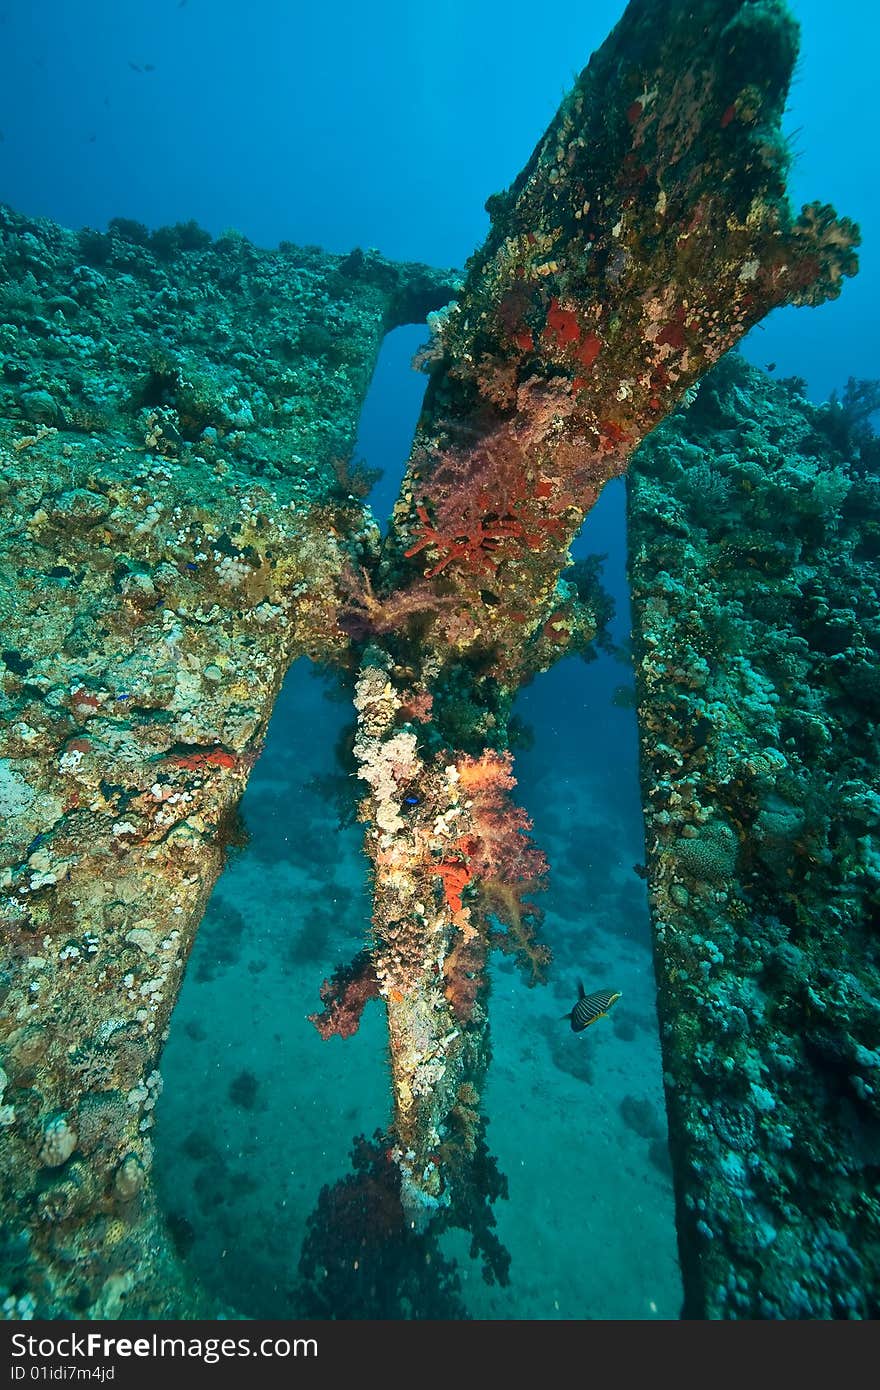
(754,546)
(175,512)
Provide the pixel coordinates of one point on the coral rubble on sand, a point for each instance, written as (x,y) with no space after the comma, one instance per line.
(754,543)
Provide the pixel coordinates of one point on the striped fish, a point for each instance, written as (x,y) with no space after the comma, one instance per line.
(590,1007)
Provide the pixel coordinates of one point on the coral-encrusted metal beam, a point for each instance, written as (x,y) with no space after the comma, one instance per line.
(648,232)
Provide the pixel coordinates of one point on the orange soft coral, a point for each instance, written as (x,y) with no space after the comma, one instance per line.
(504,850)
(456,876)
(521,919)
(502,860)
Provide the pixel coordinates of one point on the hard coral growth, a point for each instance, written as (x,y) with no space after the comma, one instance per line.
(757,627)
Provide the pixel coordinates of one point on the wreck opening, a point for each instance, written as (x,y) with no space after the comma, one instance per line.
(257,1111)
(389,415)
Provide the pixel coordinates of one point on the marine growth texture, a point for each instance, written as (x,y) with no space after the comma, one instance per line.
(181,522)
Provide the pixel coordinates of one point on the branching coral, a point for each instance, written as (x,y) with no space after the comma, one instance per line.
(486,505)
(468,537)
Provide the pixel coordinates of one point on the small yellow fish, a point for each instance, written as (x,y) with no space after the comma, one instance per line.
(590,1007)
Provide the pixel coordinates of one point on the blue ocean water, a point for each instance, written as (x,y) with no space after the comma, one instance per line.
(389,126)
(385,125)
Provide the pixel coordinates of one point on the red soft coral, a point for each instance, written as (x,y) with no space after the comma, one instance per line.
(475,541)
(464,974)
(487,503)
(345,996)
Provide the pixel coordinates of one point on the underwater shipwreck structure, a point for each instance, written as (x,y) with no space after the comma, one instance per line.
(180,520)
